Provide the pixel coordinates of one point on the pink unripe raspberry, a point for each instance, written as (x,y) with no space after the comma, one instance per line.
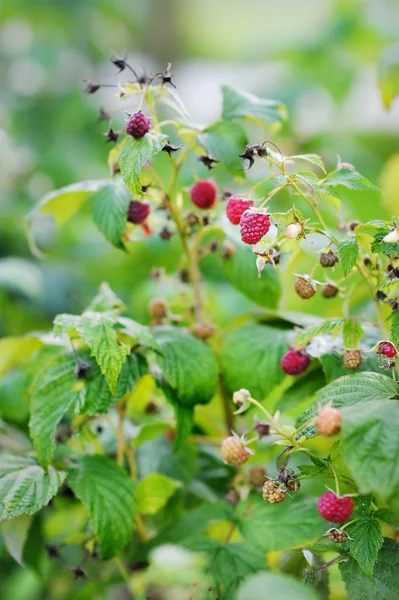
(335,509)
(235,208)
(328,421)
(254,225)
(387,349)
(295,362)
(138,212)
(234,451)
(138,125)
(203,194)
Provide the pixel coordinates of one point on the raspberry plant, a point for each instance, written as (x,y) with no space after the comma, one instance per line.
(150,434)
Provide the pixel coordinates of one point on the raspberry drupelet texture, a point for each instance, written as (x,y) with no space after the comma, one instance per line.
(334,509)
(254,225)
(295,362)
(328,421)
(138,125)
(272,493)
(138,212)
(387,349)
(235,208)
(304,288)
(203,194)
(328,259)
(329,290)
(352,359)
(233,451)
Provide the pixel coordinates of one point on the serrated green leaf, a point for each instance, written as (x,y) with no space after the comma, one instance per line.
(352,333)
(243,105)
(106,300)
(347,391)
(291,524)
(96,398)
(395,328)
(188,366)
(349,179)
(371,446)
(54,392)
(107,493)
(276,586)
(133,369)
(110,206)
(388,75)
(251,358)
(310,179)
(153,492)
(224,141)
(24,486)
(378,246)
(334,326)
(365,544)
(66,324)
(97,332)
(133,156)
(139,333)
(348,251)
(315,159)
(284,219)
(384,585)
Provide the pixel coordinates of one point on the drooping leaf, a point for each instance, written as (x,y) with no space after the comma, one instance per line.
(110,207)
(188,366)
(243,105)
(347,391)
(107,493)
(349,179)
(24,486)
(388,75)
(15,533)
(348,251)
(352,333)
(251,358)
(384,585)
(224,142)
(133,156)
(370,440)
(277,586)
(153,492)
(366,542)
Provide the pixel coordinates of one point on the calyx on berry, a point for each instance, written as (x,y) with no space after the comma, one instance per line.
(294,231)
(386,348)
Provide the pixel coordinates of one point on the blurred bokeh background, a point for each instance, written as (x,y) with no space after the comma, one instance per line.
(318,57)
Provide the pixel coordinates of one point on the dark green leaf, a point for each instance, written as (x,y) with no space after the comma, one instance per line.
(242,105)
(349,179)
(366,542)
(378,246)
(224,142)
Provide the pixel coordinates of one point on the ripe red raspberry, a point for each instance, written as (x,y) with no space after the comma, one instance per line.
(387,349)
(304,288)
(254,225)
(235,208)
(295,362)
(138,212)
(334,509)
(328,421)
(234,451)
(203,194)
(138,125)
(272,492)
(352,359)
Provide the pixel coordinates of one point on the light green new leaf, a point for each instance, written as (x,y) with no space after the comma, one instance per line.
(153,492)
(106,300)
(334,326)
(224,142)
(108,494)
(243,105)
(384,585)
(352,333)
(347,391)
(371,447)
(315,159)
(139,333)
(53,393)
(110,206)
(24,486)
(291,524)
(366,542)
(133,156)
(348,251)
(276,586)
(150,431)
(388,75)
(15,350)
(349,179)
(15,533)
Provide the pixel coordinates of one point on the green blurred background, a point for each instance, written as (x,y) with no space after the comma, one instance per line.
(320,57)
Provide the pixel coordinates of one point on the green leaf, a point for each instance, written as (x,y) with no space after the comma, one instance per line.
(388,75)
(140,334)
(159,456)
(384,585)
(97,331)
(353,333)
(251,358)
(276,586)
(347,391)
(315,159)
(303,387)
(241,271)
(291,524)
(348,251)
(110,207)
(243,105)
(311,180)
(96,397)
(148,432)
(184,417)
(385,515)
(371,447)
(153,492)
(188,366)
(21,276)
(133,369)
(366,542)
(133,156)
(107,493)
(395,328)
(15,533)
(333,327)
(66,324)
(24,486)
(15,350)
(378,246)
(349,179)
(54,391)
(224,142)
(106,300)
